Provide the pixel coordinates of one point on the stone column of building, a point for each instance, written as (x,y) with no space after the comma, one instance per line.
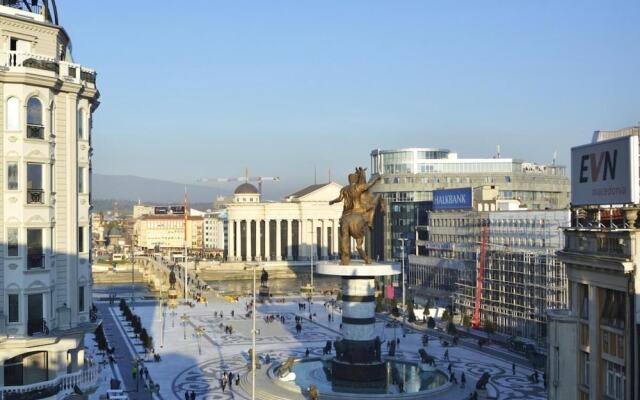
(595,385)
(324,246)
(267,239)
(289,240)
(336,234)
(258,241)
(238,240)
(248,240)
(302,249)
(230,242)
(278,234)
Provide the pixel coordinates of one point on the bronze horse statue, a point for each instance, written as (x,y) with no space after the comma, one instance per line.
(357,214)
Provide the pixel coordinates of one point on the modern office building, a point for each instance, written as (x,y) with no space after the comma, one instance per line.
(166,233)
(522,275)
(410,176)
(594,344)
(215,233)
(301,226)
(45,272)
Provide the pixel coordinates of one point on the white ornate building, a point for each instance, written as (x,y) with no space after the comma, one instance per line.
(45,272)
(288,230)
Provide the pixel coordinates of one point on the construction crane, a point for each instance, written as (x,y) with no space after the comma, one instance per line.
(475,320)
(245,178)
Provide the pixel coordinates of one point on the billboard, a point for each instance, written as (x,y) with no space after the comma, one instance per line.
(451,199)
(160,210)
(605,172)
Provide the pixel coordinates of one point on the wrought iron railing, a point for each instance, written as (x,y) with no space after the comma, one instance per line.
(35,196)
(35,131)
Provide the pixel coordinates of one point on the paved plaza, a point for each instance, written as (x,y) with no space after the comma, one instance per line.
(192,363)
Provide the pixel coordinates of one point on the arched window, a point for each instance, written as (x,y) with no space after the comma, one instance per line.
(13,114)
(35,129)
(81,124)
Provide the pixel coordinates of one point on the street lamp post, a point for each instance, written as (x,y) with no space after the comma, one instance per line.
(404,305)
(133,263)
(185,319)
(199,333)
(253,336)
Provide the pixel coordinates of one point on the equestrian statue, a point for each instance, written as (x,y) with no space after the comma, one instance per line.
(359,207)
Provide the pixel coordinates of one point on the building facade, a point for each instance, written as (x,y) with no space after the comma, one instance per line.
(594,343)
(215,232)
(301,226)
(411,175)
(45,277)
(522,275)
(166,233)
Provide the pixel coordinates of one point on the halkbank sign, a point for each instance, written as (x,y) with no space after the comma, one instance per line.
(452,199)
(605,172)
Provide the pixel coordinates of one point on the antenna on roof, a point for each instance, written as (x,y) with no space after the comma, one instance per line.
(498,151)
(555,155)
(315,175)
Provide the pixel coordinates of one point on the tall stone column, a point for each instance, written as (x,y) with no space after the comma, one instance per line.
(289,240)
(267,240)
(302,232)
(230,241)
(324,246)
(248,240)
(258,241)
(238,240)
(336,235)
(278,234)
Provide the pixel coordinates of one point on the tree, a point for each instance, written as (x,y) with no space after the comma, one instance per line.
(466,321)
(379,303)
(445,316)
(431,323)
(489,326)
(451,328)
(411,315)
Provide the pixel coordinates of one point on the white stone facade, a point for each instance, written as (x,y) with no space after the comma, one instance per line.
(45,276)
(286,230)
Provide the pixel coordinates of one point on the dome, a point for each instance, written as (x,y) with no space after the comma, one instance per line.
(246,188)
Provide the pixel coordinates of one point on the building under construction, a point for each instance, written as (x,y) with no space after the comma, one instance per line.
(521,275)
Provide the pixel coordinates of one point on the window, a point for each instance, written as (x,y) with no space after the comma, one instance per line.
(14,308)
(35,191)
(584,369)
(35,129)
(12,176)
(12,242)
(614,380)
(80,124)
(35,257)
(82,187)
(81,246)
(81,298)
(13,114)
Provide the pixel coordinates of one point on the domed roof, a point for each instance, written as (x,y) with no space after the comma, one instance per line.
(246,188)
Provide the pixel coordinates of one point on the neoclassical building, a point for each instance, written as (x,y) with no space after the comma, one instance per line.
(288,230)
(45,266)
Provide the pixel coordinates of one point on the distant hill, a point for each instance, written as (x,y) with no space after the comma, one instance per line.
(133,188)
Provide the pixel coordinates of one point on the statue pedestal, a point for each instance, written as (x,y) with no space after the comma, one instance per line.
(264,291)
(358,355)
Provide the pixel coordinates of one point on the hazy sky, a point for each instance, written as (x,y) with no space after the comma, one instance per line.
(206,88)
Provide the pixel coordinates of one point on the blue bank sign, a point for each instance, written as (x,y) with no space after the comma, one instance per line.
(450,199)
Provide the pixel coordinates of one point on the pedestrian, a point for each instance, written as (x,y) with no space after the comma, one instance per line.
(134,372)
(513,368)
(193,395)
(306,353)
(450,367)
(536,379)
(446,354)
(186,395)
(463,379)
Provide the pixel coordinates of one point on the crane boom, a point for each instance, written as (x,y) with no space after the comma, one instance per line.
(246,178)
(475,320)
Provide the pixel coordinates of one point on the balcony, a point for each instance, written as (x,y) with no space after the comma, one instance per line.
(37,327)
(35,196)
(35,261)
(59,388)
(69,71)
(35,132)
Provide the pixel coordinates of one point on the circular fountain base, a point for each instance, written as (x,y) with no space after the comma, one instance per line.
(346,375)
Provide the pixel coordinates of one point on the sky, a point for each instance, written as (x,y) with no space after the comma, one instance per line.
(205,88)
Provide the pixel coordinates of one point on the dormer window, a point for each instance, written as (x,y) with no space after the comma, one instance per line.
(35,128)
